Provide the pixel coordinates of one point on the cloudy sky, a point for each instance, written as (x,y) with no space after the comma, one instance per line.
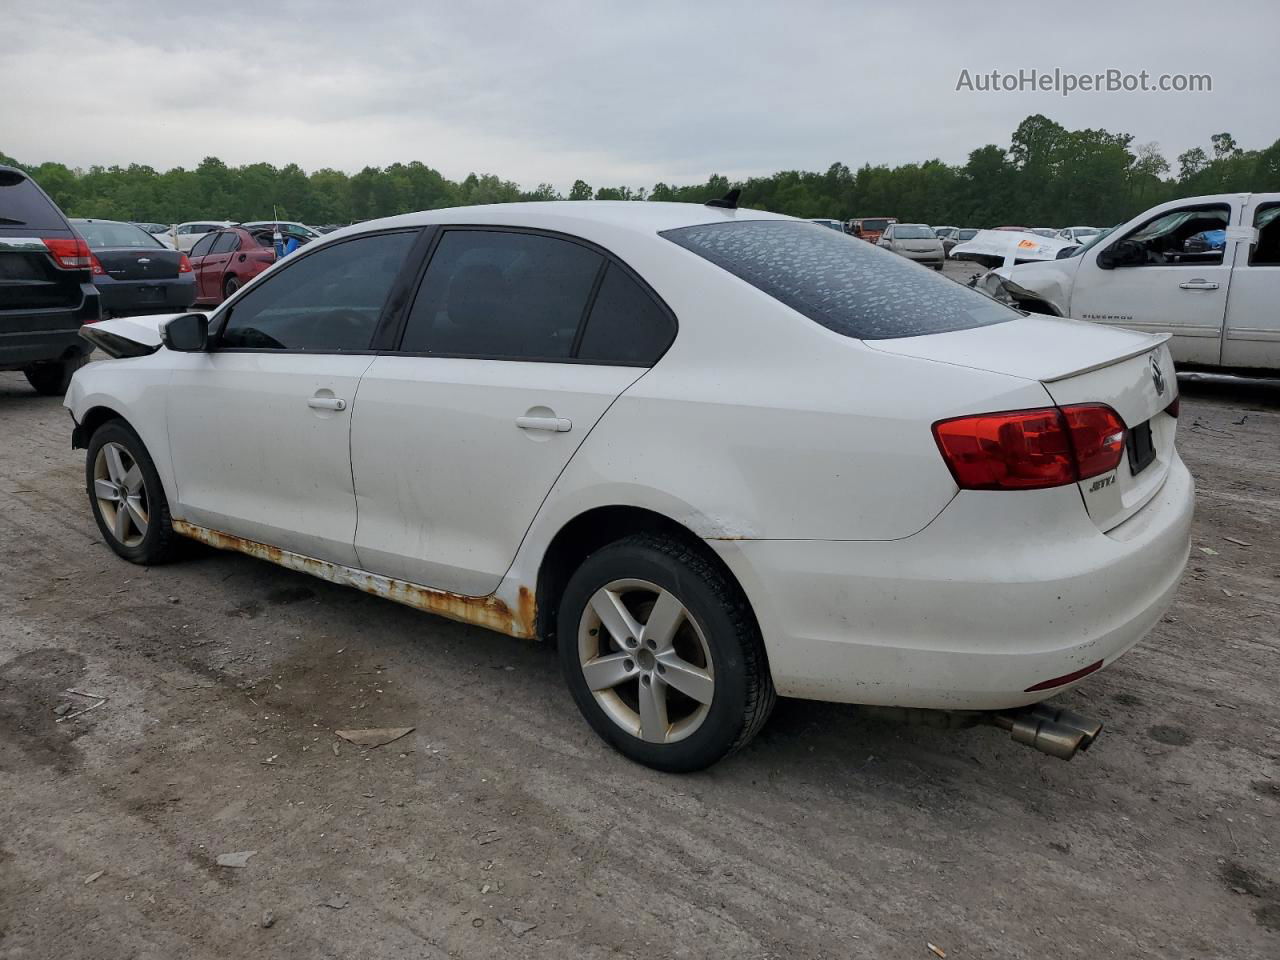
(613,92)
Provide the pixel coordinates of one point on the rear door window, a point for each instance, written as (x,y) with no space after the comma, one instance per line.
(203,245)
(502,295)
(225,242)
(328,301)
(22,204)
(838,281)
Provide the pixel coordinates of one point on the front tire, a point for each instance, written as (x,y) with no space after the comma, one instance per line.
(126,496)
(662,654)
(52,378)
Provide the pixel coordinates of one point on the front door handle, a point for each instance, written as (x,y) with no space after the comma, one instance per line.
(327,403)
(1198,285)
(554,424)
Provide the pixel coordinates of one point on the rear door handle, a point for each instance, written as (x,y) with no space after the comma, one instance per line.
(554,424)
(1198,285)
(327,403)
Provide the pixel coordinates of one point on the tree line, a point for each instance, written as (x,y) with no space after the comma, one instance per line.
(1046,176)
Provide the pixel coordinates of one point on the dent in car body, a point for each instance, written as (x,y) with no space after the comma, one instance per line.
(490,612)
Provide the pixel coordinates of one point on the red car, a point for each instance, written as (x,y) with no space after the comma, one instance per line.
(226,260)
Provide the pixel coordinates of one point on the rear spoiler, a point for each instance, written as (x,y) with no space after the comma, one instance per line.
(1154,340)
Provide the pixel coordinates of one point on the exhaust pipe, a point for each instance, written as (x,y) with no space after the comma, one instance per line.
(1059,733)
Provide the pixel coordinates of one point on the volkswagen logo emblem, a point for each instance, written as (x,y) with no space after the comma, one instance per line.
(1157,377)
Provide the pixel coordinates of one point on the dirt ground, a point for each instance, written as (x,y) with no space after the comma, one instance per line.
(502,828)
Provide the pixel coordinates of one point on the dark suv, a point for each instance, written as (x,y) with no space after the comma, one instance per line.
(46,286)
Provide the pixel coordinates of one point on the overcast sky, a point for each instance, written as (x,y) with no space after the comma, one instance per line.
(625,93)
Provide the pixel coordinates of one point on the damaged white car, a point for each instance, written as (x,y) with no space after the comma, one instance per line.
(717,455)
(1205,270)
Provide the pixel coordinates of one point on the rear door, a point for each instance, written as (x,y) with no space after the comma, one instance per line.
(259,426)
(215,263)
(1161,282)
(516,344)
(1251,334)
(197,255)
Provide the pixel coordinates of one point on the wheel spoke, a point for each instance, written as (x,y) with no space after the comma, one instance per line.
(136,515)
(664,620)
(120,526)
(693,682)
(133,480)
(653,712)
(105,490)
(608,671)
(115,465)
(614,616)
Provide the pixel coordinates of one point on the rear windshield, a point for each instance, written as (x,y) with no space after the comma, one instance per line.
(913,233)
(103,235)
(23,205)
(968,234)
(848,286)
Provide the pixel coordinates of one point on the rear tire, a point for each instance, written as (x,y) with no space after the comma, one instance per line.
(52,378)
(673,675)
(229,286)
(126,496)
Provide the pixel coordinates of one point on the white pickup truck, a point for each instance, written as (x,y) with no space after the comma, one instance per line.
(1205,270)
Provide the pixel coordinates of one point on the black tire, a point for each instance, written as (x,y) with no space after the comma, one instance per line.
(159,543)
(53,377)
(743,689)
(229,286)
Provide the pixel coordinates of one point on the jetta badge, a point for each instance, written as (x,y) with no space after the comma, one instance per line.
(1157,377)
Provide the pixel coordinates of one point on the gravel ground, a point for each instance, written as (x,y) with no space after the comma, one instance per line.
(502,827)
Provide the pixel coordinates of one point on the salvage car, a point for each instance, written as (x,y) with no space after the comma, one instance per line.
(915,241)
(225,260)
(134,272)
(1203,270)
(46,286)
(717,455)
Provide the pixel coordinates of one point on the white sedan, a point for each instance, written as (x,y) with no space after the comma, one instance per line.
(718,455)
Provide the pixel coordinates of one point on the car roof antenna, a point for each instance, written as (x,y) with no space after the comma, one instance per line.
(729,201)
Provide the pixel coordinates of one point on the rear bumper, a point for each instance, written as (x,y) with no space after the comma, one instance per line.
(956,617)
(138,297)
(34,336)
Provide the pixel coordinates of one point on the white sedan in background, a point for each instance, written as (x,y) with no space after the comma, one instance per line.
(718,455)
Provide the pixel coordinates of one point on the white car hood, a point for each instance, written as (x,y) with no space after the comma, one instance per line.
(1011,246)
(127,336)
(1035,347)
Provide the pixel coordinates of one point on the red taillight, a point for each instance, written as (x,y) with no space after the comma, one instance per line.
(1173,408)
(1031,449)
(96,264)
(184,265)
(1097,434)
(70,253)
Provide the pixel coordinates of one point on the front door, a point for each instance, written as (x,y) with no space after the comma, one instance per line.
(1168,274)
(259,426)
(515,346)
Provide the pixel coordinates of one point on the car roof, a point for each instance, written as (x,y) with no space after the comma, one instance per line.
(640,216)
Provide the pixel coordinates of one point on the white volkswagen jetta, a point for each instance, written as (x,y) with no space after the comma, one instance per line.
(717,454)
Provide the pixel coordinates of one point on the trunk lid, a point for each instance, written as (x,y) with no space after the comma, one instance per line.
(139,263)
(1080,362)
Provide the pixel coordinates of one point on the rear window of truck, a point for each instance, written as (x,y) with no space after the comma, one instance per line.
(23,205)
(843,283)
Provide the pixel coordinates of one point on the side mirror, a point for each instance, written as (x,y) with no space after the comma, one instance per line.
(188,333)
(1106,259)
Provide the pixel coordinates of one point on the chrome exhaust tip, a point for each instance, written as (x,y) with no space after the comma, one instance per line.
(1059,733)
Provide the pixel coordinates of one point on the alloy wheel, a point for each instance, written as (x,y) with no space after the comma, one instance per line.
(121,494)
(646,661)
